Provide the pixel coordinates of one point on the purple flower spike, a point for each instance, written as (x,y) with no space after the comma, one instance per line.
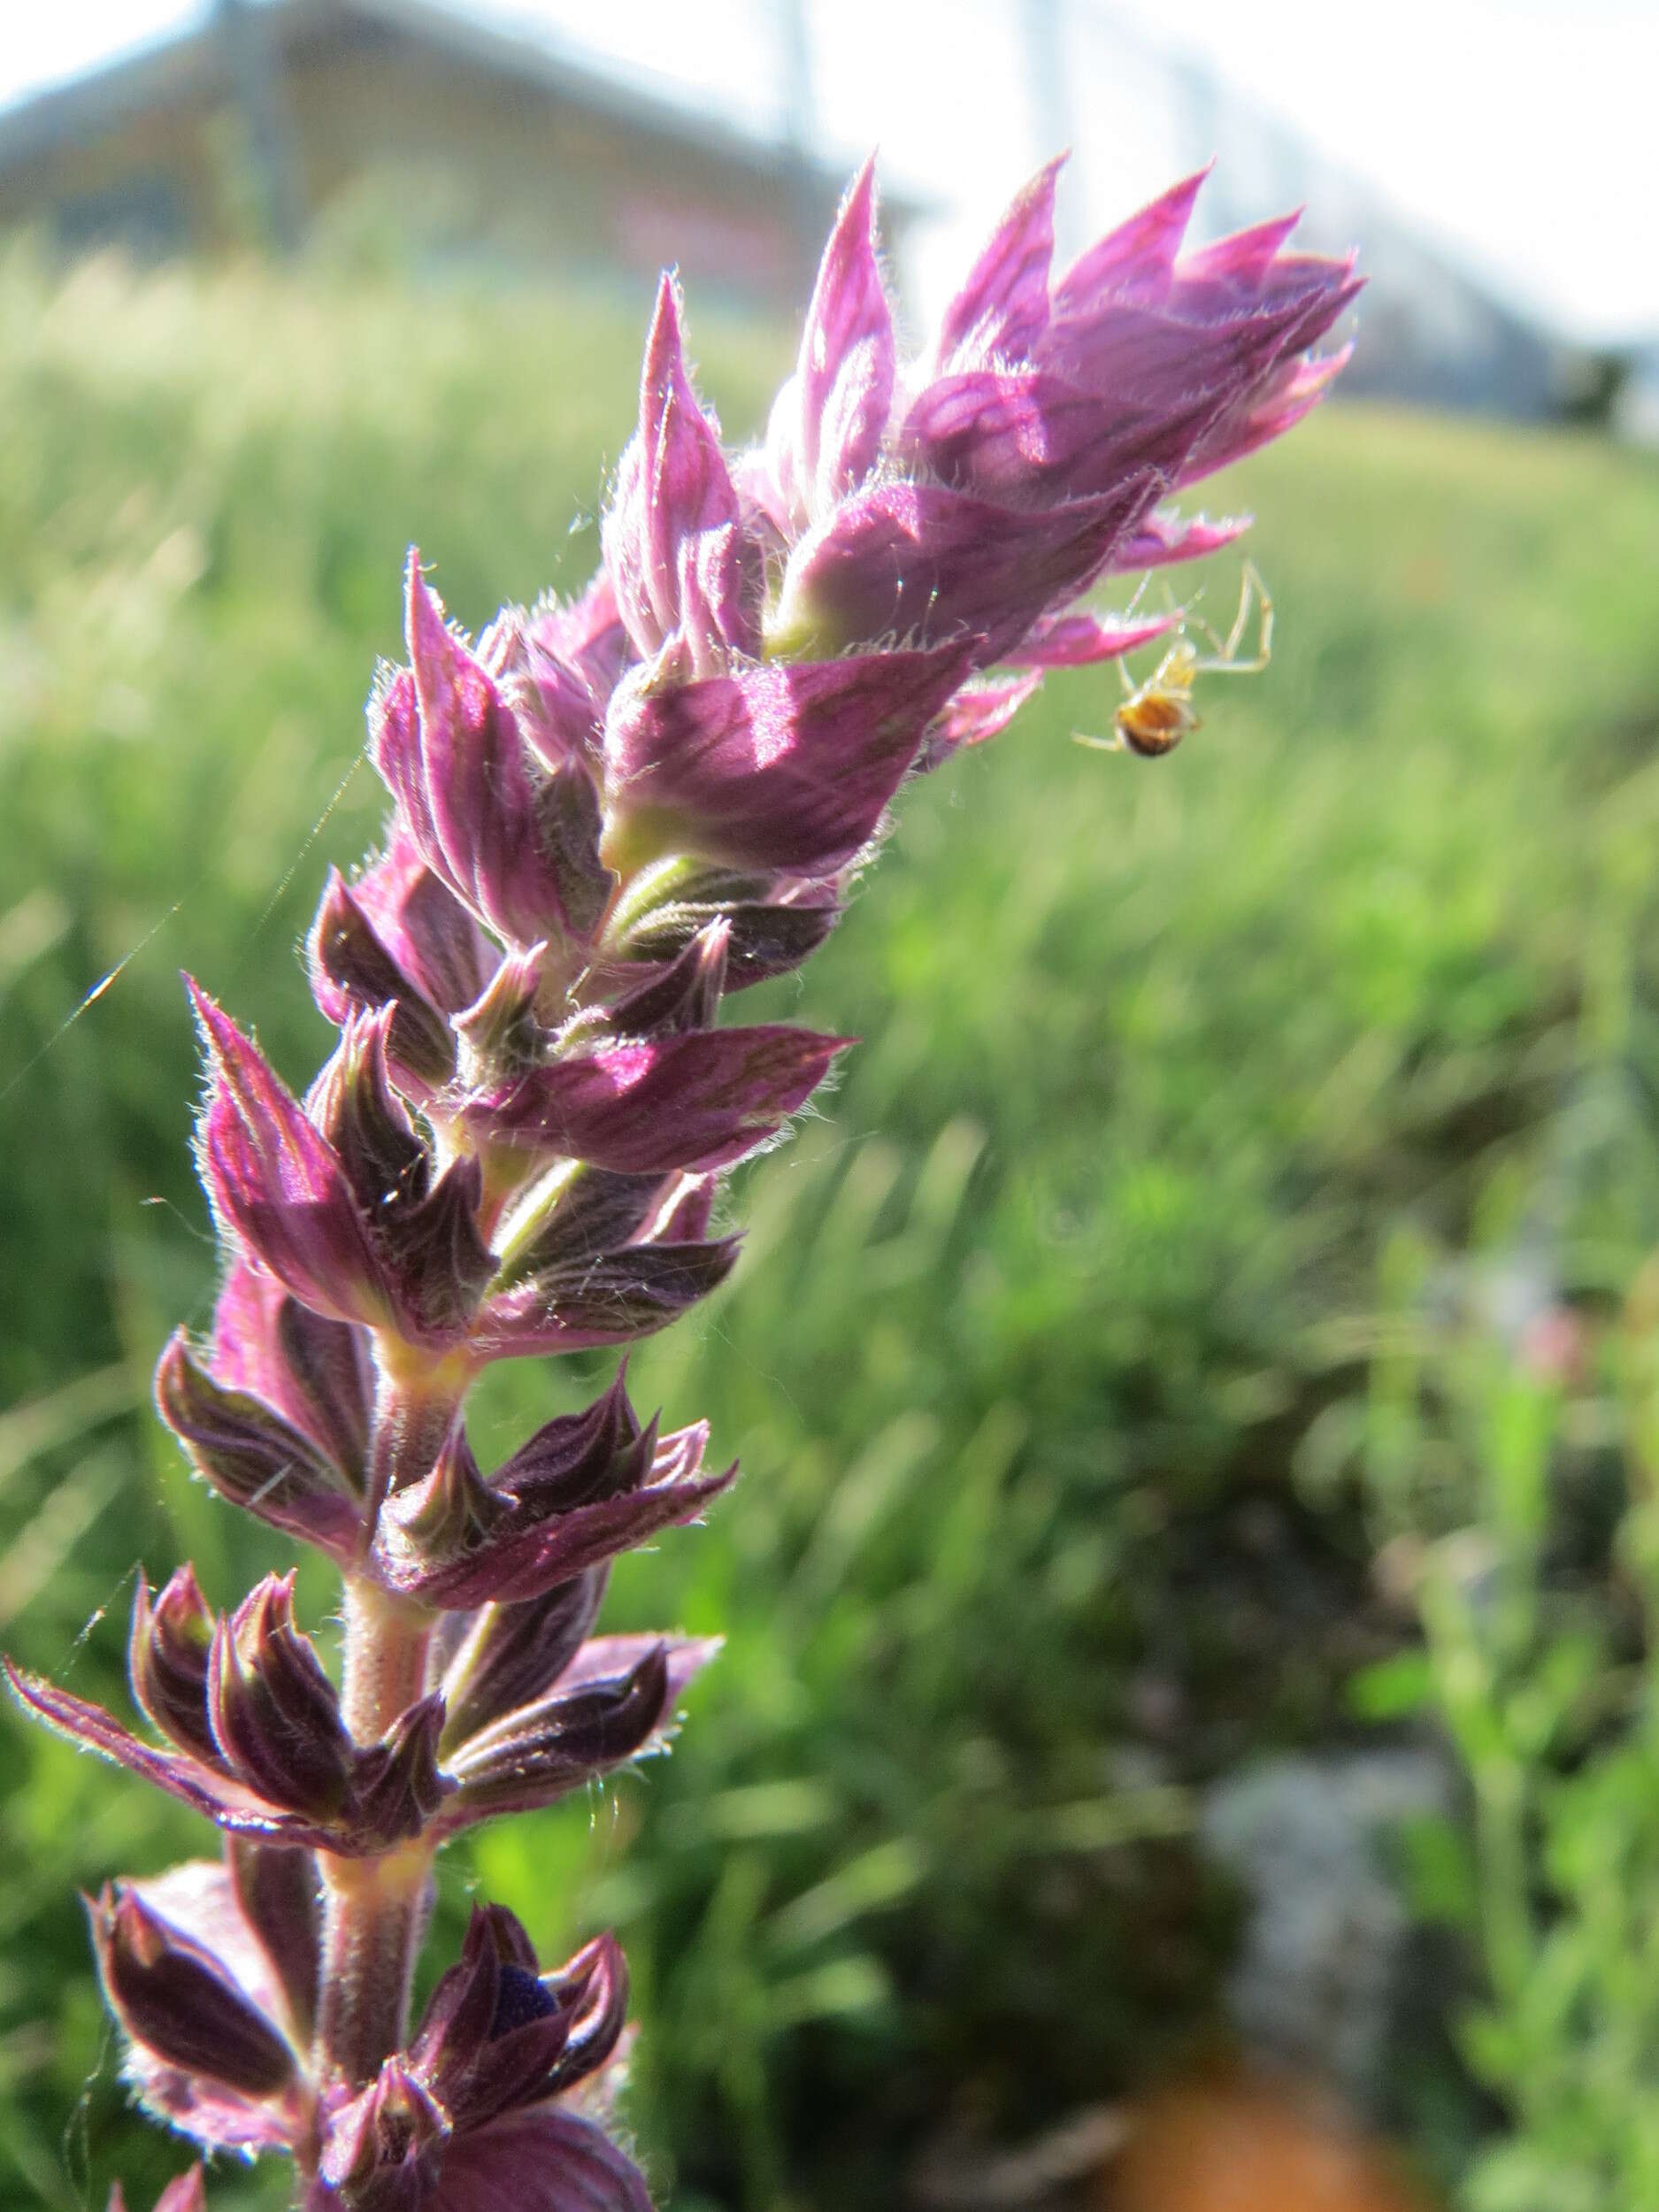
(276,1185)
(608,816)
(681,562)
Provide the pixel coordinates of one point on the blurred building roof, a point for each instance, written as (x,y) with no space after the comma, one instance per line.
(460,140)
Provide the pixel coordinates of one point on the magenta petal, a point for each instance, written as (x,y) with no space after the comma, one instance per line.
(315,1372)
(243,1449)
(186,2195)
(1078,641)
(613,1299)
(1137,260)
(586,633)
(1231,271)
(352,971)
(1017,436)
(558,664)
(827,426)
(275,1182)
(697,1100)
(977,713)
(923,560)
(604,1658)
(788,766)
(1002,309)
(200,1898)
(433,939)
(1272,408)
(1161,538)
(451,754)
(543,2160)
(679,557)
(187,2013)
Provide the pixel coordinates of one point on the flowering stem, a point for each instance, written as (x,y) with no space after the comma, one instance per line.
(374,1915)
(374,1908)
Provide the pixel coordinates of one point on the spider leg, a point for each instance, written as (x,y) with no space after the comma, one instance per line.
(1226,661)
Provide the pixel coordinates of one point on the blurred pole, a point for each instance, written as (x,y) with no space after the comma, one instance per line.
(256,79)
(1043,36)
(800,124)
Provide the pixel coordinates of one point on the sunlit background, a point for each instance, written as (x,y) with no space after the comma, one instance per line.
(1185,1734)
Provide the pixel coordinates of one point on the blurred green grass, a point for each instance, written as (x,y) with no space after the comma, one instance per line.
(1036,1316)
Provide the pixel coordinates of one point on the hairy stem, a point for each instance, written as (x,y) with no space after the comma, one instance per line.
(375,1909)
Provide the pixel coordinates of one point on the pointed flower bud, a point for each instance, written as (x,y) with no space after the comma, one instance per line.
(384,2149)
(278,1765)
(827,424)
(513,1653)
(1001,309)
(698,1101)
(316,1374)
(465,2118)
(498,2033)
(178,2003)
(449,750)
(585,1488)
(786,767)
(396,1784)
(276,1185)
(352,972)
(614,1701)
(167,1661)
(275,1714)
(244,1450)
(499,1034)
(687,996)
(680,560)
(612,1298)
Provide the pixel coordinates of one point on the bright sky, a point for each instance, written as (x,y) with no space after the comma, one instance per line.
(1520,134)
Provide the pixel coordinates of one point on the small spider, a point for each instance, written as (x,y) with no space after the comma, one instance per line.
(1155,716)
